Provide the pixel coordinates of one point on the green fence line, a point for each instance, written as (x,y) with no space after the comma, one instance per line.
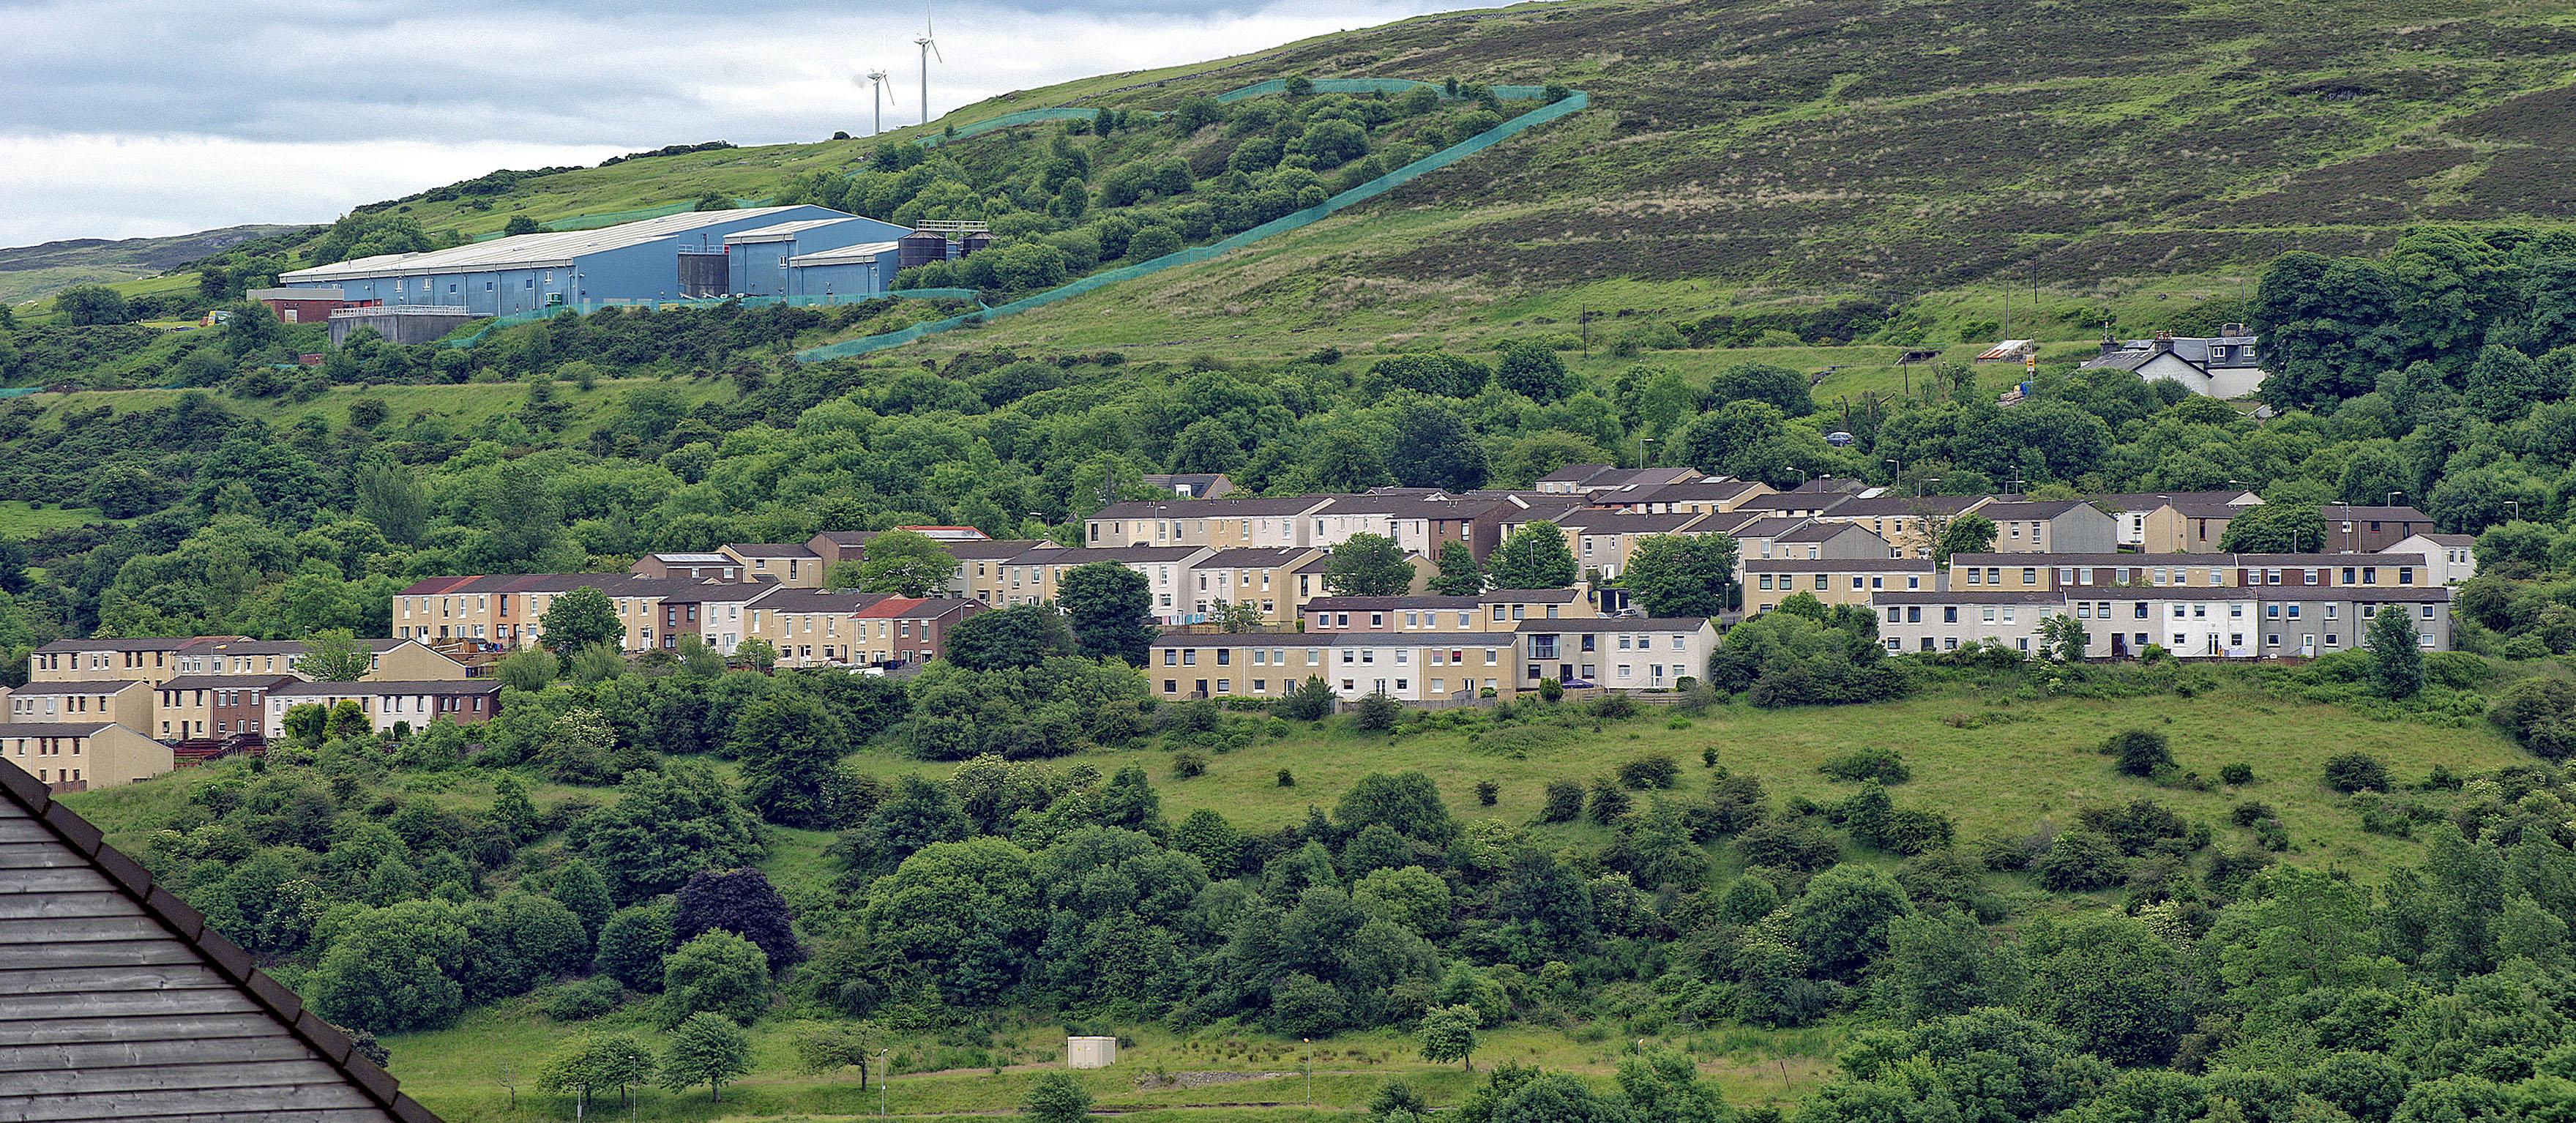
(1573,102)
(16,391)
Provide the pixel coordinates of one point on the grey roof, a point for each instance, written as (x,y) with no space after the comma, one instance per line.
(1527,596)
(1839,565)
(1598,520)
(1392,604)
(2149,500)
(126,1005)
(989,549)
(787,231)
(41,729)
(1686,491)
(1175,507)
(2029,508)
(770,549)
(1615,624)
(817,600)
(1885,506)
(225,682)
(1254,557)
(554,249)
(1811,530)
(845,255)
(1963,596)
(2177,592)
(88,686)
(2336,512)
(2366,594)
(1773,526)
(1133,555)
(369,686)
(692,559)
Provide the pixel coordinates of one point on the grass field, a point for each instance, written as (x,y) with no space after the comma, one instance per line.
(1995,762)
(19,519)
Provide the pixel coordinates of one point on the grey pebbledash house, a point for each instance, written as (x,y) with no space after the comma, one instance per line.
(117,1002)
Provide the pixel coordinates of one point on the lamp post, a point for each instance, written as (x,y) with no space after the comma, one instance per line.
(2392,497)
(1310,1071)
(1645,452)
(883,1074)
(1896,477)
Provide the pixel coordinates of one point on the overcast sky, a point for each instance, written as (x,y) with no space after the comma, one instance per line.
(121,119)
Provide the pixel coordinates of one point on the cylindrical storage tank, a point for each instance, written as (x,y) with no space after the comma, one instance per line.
(977,241)
(921,247)
(1090,1052)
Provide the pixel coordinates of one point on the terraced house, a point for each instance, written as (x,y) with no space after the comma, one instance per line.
(810,627)
(203,707)
(1616,653)
(469,702)
(127,702)
(1949,620)
(1032,577)
(1834,580)
(1262,579)
(73,756)
(98,660)
(1430,667)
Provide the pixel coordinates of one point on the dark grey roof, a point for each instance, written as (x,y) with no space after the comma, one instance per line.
(1773,526)
(1175,507)
(1599,520)
(1615,624)
(2335,512)
(817,600)
(2030,508)
(89,686)
(225,682)
(1254,557)
(435,686)
(1812,530)
(770,549)
(1132,555)
(2149,500)
(124,1005)
(1391,604)
(41,729)
(1839,565)
(153,643)
(1903,506)
(1964,596)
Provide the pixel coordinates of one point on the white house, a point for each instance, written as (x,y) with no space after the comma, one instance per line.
(2218,366)
(2451,557)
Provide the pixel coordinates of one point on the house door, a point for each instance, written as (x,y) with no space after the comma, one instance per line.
(2119,646)
(2307,647)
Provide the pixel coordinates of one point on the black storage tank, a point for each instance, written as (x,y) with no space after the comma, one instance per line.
(921,247)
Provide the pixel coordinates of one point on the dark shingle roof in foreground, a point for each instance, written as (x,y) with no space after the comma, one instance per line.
(118,1002)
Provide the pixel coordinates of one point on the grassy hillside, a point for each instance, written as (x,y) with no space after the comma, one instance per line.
(1997,764)
(30,272)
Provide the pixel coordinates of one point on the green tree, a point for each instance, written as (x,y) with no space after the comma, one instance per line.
(1532,369)
(1368,565)
(579,619)
(634,943)
(334,656)
(596,1063)
(2139,752)
(707,1049)
(1534,557)
(89,305)
(1110,609)
(718,972)
(1969,533)
(1449,1034)
(2062,637)
(2396,654)
(531,669)
(2277,528)
(1057,1098)
(1021,636)
(581,889)
(1785,389)
(1461,575)
(904,563)
(394,969)
(757,653)
(791,750)
(1680,575)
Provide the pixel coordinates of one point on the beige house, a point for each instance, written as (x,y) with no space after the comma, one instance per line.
(2450,558)
(2184,527)
(1601,539)
(810,627)
(694,567)
(1265,579)
(2129,511)
(398,659)
(78,756)
(1273,523)
(1910,523)
(1689,497)
(1431,667)
(791,564)
(1032,578)
(906,630)
(124,702)
(1834,580)
(101,660)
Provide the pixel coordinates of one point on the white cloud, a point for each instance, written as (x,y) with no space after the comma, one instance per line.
(119,117)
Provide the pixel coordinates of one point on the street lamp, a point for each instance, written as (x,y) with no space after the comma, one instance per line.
(1896,478)
(2392,497)
(1645,454)
(1310,1071)
(883,1074)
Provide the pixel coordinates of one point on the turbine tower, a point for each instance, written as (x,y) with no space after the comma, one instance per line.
(929,48)
(877,81)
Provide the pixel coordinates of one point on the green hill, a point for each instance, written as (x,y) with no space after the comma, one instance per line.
(1833,171)
(31,272)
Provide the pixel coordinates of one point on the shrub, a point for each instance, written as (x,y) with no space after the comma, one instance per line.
(1550,690)
(2078,861)
(1287,779)
(2139,752)
(584,1000)
(1650,772)
(1882,765)
(2250,812)
(2236,775)
(1614,705)
(1377,713)
(2540,713)
(1610,801)
(2356,771)
(1564,802)
(1486,792)
(1189,763)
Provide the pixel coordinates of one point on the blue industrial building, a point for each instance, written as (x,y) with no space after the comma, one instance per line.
(678,256)
(828,276)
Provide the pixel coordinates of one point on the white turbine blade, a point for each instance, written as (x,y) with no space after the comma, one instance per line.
(934,51)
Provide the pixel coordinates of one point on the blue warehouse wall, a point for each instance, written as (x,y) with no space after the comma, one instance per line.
(842,281)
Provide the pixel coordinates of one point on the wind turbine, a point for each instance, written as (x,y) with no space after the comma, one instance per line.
(929,47)
(877,81)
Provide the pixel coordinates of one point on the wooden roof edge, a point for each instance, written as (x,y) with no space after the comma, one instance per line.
(226,957)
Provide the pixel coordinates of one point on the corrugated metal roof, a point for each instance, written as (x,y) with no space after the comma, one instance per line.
(865,251)
(526,251)
(785,231)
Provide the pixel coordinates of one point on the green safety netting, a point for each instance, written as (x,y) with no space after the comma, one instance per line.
(15,391)
(1574,102)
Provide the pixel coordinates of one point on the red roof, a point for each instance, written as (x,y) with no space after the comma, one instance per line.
(890,607)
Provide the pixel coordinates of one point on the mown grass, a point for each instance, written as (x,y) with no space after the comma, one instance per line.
(19,518)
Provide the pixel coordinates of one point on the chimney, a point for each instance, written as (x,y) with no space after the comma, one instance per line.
(2164,341)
